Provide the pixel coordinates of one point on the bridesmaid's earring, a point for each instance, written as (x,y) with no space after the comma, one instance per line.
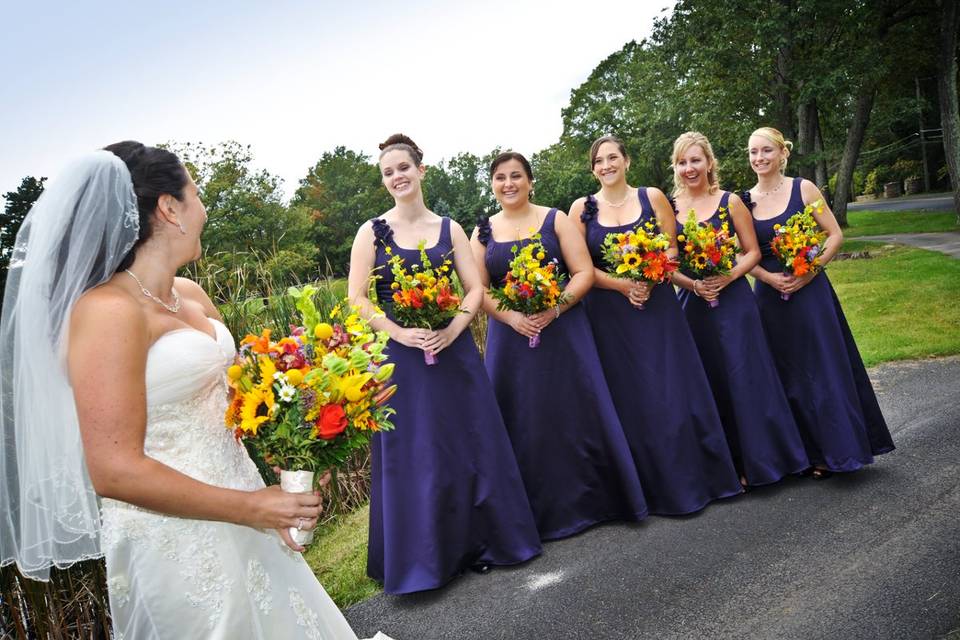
(182,230)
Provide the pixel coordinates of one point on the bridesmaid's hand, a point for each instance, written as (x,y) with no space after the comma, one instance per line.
(640,293)
(792,283)
(705,292)
(523,324)
(778,281)
(717,283)
(437,341)
(543,319)
(411,337)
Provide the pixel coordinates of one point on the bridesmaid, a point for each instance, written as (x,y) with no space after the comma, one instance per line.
(648,355)
(445,491)
(572,453)
(821,369)
(760,428)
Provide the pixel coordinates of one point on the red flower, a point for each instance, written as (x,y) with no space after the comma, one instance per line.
(526,291)
(331,422)
(446,298)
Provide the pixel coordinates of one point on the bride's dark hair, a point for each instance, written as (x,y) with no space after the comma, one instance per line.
(402,142)
(154,172)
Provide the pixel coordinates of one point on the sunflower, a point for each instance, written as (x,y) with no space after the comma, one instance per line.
(255,410)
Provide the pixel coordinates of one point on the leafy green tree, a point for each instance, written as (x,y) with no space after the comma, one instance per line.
(18,204)
(248,223)
(460,188)
(340,192)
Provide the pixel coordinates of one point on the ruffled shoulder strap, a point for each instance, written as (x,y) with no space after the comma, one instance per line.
(747,200)
(673,205)
(590,209)
(382,232)
(484,231)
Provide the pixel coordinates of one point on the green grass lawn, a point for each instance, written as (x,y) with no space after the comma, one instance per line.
(876,223)
(338,556)
(898,304)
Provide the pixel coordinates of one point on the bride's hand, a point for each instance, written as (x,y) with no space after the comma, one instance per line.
(272,508)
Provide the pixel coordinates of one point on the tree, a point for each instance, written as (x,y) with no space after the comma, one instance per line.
(339,194)
(947,86)
(248,225)
(18,205)
(460,187)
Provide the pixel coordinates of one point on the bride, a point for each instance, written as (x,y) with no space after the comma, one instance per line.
(112,385)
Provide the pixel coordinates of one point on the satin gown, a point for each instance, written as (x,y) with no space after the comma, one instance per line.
(445,491)
(573,455)
(819,363)
(756,416)
(659,387)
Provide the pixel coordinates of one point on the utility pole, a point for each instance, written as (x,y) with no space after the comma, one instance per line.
(923,144)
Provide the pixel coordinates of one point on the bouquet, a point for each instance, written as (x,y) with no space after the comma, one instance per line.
(423,296)
(531,285)
(707,251)
(799,243)
(309,399)
(640,255)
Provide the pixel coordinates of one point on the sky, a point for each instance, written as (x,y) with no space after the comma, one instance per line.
(296,79)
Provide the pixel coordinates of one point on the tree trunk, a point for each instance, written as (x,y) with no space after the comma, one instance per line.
(806,135)
(947,87)
(823,179)
(851,150)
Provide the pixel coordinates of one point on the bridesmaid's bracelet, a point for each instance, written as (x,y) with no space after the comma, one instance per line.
(557,310)
(695,290)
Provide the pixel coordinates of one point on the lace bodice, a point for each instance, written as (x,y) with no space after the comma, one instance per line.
(186,401)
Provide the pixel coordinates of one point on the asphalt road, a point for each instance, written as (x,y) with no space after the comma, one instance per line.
(925,202)
(869,555)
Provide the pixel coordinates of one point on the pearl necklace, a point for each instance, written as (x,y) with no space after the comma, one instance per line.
(618,204)
(767,194)
(174,308)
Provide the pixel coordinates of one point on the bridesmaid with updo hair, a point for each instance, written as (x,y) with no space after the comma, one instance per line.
(445,491)
(648,355)
(817,358)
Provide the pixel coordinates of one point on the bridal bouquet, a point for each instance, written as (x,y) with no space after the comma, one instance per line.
(423,296)
(799,243)
(309,399)
(532,283)
(639,254)
(707,251)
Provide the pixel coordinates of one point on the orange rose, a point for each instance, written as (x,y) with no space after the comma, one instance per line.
(331,422)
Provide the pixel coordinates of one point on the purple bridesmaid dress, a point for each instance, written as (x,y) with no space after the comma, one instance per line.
(445,491)
(659,387)
(819,363)
(573,456)
(761,431)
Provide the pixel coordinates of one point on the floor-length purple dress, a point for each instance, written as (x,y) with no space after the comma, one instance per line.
(819,363)
(572,453)
(659,387)
(761,431)
(445,490)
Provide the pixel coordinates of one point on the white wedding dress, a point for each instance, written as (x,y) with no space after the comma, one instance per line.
(177,578)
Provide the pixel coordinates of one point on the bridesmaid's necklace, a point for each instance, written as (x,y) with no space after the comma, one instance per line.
(616,205)
(767,194)
(172,308)
(536,219)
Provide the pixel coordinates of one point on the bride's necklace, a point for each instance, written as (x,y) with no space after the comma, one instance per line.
(172,308)
(767,194)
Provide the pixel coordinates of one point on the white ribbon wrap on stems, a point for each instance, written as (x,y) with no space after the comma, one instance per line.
(298,482)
